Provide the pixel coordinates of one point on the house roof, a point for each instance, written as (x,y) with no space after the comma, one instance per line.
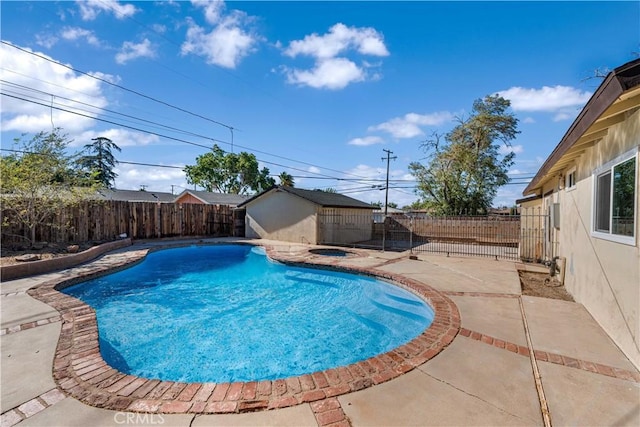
(157,196)
(390,210)
(135,196)
(618,94)
(528,199)
(215,198)
(322,198)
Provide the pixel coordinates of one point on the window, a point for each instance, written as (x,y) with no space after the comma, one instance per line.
(570,180)
(615,200)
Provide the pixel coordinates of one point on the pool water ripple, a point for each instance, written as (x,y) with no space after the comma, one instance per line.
(225,313)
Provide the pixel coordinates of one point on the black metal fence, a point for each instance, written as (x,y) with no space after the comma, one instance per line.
(528,236)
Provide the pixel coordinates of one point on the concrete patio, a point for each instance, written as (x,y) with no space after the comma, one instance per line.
(514,358)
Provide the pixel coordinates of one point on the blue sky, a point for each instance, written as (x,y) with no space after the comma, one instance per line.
(316,89)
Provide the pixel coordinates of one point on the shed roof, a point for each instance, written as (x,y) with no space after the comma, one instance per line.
(318,197)
(618,94)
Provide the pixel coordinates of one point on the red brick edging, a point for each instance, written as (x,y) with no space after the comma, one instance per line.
(31,407)
(29,325)
(558,359)
(80,371)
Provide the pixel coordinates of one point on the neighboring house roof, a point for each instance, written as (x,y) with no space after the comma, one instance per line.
(157,196)
(618,93)
(390,210)
(135,196)
(322,198)
(214,198)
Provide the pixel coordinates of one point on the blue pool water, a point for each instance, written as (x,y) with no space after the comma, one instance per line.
(225,313)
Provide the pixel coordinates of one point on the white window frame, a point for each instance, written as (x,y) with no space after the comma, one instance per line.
(567,181)
(626,240)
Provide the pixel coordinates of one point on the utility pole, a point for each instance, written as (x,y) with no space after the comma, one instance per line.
(386,195)
(172,185)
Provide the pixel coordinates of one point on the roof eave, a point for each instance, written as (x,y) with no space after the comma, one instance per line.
(614,85)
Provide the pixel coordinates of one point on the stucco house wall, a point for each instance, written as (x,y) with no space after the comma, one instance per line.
(598,203)
(281,216)
(601,274)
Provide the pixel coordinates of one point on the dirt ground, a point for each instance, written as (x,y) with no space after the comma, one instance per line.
(542,285)
(51,250)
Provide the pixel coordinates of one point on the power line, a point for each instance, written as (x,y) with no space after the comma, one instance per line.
(116,85)
(231,128)
(194,134)
(139,119)
(153,133)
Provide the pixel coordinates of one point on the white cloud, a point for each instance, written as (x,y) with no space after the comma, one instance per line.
(505,149)
(120,137)
(528,120)
(314,169)
(332,69)
(132,177)
(132,50)
(564,115)
(90,9)
(212,10)
(159,28)
(37,74)
(46,40)
(409,126)
(75,33)
(368,140)
(227,43)
(508,194)
(547,99)
(339,39)
(333,74)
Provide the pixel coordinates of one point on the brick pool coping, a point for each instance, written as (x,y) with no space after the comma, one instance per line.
(80,371)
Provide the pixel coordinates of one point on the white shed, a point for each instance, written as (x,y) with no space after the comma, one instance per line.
(307,216)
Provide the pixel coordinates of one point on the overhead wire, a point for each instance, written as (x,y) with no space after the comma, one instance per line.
(153,133)
(151,98)
(209,138)
(231,128)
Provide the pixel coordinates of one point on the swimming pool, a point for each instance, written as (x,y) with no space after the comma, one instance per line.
(226,313)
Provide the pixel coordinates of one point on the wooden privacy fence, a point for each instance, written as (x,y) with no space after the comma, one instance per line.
(92,221)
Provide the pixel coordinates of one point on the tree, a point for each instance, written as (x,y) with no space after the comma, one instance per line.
(465,167)
(286,179)
(228,173)
(37,182)
(98,161)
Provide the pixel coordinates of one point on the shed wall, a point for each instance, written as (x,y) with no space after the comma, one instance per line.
(282,216)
